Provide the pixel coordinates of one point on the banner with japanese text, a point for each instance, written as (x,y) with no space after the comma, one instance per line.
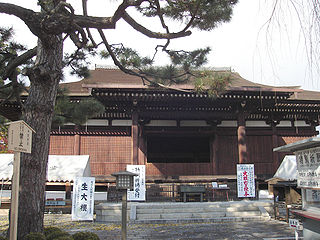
(83,199)
(308,168)
(245,180)
(139,183)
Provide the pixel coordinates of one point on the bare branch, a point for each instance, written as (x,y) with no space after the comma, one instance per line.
(79,42)
(63,5)
(94,22)
(33,20)
(160,14)
(151,34)
(85,13)
(15,10)
(122,8)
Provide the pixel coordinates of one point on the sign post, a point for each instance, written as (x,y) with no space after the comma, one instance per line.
(245,180)
(139,183)
(19,140)
(83,199)
(294,223)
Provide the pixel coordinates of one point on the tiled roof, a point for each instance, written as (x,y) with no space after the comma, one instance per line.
(116,132)
(113,78)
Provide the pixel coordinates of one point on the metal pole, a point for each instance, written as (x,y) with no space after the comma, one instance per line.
(14,197)
(124,216)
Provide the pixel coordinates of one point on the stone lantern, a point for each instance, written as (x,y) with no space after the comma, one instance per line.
(124,182)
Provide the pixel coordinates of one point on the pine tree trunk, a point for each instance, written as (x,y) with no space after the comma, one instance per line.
(38,112)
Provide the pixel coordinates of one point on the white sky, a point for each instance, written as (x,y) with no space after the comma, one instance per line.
(243,44)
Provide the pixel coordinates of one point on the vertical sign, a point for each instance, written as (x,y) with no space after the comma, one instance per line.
(245,180)
(19,137)
(19,140)
(139,183)
(83,198)
(308,167)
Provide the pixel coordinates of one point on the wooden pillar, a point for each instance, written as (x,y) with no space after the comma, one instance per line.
(135,138)
(76,146)
(68,190)
(142,157)
(242,145)
(214,154)
(275,155)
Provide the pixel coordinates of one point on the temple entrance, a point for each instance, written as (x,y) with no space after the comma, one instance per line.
(172,149)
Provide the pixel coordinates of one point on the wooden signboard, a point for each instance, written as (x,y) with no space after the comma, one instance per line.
(19,140)
(20,137)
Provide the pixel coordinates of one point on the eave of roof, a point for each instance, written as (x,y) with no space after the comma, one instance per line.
(112,78)
(300,145)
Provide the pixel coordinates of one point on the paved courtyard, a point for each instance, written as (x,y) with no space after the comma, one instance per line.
(230,230)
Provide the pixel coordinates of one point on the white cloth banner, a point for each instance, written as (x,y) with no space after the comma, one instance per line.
(245,180)
(139,183)
(83,199)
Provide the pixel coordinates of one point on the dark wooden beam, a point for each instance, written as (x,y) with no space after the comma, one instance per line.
(214,154)
(135,138)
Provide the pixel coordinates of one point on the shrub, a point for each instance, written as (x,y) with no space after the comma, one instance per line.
(3,238)
(57,235)
(34,236)
(49,230)
(85,236)
(64,238)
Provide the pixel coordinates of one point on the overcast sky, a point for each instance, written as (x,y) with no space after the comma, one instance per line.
(276,57)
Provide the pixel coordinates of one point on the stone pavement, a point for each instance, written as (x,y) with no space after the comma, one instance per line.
(264,230)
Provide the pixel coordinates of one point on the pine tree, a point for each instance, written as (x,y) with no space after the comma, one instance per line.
(57,21)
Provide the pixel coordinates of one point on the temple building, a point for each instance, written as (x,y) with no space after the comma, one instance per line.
(183,135)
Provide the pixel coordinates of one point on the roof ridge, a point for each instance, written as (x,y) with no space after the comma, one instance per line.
(113,67)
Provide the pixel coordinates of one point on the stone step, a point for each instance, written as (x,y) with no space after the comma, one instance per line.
(199,220)
(193,210)
(249,204)
(210,211)
(243,214)
(171,216)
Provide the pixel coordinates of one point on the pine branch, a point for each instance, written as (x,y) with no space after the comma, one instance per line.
(18,61)
(192,17)
(152,34)
(129,71)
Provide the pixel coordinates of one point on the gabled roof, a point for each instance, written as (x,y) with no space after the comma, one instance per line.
(113,78)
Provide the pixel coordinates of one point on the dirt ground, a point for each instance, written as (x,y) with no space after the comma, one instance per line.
(265,230)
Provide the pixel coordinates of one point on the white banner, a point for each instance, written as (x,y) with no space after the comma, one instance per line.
(83,199)
(308,167)
(139,183)
(245,180)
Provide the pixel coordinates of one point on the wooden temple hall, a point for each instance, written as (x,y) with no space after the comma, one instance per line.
(185,136)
